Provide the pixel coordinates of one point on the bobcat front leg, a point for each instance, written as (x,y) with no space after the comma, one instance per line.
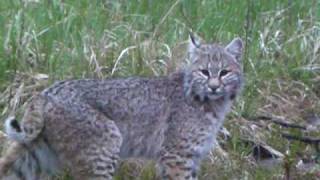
(180,157)
(176,166)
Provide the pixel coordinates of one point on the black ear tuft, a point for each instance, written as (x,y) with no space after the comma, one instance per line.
(194,41)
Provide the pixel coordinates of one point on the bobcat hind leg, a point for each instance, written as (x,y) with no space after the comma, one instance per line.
(101,157)
(100,154)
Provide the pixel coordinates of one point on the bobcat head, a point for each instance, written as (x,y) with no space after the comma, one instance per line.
(215,72)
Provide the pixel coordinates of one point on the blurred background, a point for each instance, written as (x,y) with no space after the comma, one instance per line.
(273,130)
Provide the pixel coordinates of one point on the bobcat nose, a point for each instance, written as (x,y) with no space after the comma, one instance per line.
(213,84)
(213,89)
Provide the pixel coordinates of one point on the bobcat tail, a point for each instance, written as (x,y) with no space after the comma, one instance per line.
(16,132)
(28,157)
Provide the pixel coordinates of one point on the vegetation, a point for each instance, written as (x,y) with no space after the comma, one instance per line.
(43,41)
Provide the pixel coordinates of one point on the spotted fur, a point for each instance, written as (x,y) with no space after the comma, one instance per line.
(87,125)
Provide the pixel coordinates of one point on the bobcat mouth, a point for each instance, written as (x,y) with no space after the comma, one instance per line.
(216,92)
(207,97)
(214,96)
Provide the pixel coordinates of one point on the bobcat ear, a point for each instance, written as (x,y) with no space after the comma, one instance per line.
(194,42)
(235,48)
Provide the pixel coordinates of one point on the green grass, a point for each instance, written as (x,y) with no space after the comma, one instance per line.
(103,38)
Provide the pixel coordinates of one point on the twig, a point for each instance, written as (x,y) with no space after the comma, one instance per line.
(305,139)
(280,122)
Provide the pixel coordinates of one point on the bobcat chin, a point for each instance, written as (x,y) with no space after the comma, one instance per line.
(87,125)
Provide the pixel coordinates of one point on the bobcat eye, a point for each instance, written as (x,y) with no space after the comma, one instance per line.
(205,72)
(223,72)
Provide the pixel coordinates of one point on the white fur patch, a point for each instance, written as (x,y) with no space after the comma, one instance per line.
(11,132)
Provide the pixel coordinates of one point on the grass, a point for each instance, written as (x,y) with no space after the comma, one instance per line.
(46,41)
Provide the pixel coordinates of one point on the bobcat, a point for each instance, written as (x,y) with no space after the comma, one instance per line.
(87,125)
